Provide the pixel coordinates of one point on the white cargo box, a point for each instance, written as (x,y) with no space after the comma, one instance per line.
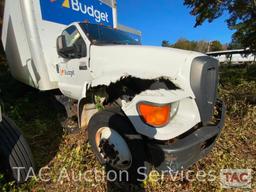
(30,30)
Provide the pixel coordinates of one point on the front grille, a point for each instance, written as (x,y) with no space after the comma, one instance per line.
(204,80)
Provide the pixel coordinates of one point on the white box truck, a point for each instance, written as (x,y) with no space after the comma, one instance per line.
(158,106)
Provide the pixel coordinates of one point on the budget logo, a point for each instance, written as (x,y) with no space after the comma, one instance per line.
(66,4)
(68,11)
(236,178)
(85,9)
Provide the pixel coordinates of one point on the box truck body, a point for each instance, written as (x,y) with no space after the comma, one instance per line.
(30,30)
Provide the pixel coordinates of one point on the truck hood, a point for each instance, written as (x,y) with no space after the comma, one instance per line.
(110,63)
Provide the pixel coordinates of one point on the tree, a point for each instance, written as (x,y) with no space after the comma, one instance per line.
(202,46)
(242,17)
(235,45)
(215,46)
(183,44)
(165,43)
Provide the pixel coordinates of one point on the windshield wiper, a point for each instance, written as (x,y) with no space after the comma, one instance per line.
(117,43)
(111,43)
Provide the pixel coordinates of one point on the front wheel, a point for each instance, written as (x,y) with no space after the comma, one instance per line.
(117,145)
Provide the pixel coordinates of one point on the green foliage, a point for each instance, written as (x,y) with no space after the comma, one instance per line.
(1,179)
(242,17)
(215,46)
(6,186)
(235,75)
(185,44)
(251,72)
(238,88)
(234,45)
(99,103)
(200,46)
(166,43)
(231,75)
(239,97)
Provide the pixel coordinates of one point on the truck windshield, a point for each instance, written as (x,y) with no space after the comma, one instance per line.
(104,35)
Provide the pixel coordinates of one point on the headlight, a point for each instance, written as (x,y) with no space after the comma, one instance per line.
(156,115)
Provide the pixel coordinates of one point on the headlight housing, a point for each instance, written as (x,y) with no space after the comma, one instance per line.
(156,115)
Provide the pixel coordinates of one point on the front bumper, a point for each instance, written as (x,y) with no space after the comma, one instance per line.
(188,148)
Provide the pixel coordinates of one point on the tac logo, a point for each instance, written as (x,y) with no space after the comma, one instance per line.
(236,178)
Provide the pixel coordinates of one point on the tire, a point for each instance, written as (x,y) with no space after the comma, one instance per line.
(14,152)
(116,120)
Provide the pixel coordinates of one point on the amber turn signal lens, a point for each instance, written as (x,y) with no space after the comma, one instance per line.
(153,115)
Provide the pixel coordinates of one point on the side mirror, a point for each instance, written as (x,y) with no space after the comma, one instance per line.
(61,43)
(63,50)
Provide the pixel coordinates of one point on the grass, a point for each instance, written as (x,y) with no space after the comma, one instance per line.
(41,120)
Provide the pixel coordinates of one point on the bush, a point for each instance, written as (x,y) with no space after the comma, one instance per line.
(251,72)
(235,75)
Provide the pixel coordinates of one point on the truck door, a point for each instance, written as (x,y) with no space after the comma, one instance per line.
(73,68)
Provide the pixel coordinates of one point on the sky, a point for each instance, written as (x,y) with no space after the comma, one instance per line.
(168,20)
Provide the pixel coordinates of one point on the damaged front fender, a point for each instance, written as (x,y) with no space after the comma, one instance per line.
(186,117)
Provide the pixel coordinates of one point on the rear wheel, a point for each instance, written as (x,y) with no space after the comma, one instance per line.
(118,146)
(15,155)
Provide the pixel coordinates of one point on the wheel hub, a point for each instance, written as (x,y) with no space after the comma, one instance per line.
(113,148)
(108,150)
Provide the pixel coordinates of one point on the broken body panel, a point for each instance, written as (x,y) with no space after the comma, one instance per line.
(150,63)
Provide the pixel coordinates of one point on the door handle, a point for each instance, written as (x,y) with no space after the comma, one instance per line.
(83,66)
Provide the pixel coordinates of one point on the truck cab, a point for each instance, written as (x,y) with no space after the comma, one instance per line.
(74,47)
(166,94)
